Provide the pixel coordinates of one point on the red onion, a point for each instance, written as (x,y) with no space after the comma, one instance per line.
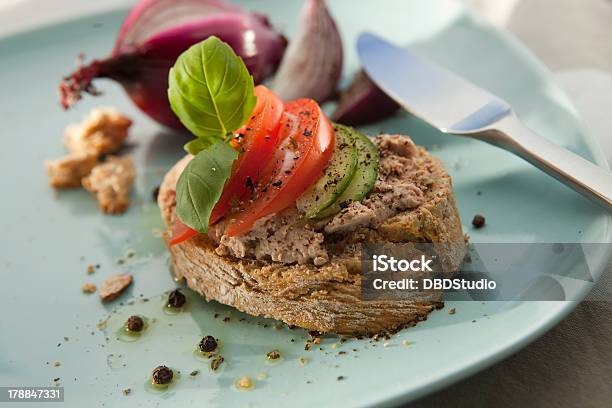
(156,32)
(312,64)
(150,17)
(363,102)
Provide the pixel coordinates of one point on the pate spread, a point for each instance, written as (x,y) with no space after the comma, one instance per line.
(288,237)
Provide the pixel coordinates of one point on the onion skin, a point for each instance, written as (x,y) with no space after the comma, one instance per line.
(150,17)
(363,102)
(141,65)
(312,65)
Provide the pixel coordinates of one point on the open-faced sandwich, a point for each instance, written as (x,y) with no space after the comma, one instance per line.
(268,210)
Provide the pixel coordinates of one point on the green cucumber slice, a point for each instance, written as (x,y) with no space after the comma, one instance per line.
(364,179)
(336,177)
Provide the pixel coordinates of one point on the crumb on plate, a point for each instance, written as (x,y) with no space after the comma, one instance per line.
(68,171)
(111,183)
(88,288)
(103,131)
(113,286)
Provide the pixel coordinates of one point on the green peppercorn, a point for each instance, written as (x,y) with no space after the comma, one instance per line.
(135,324)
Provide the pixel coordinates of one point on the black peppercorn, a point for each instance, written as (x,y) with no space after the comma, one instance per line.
(216,363)
(208,344)
(135,324)
(162,375)
(176,299)
(478,221)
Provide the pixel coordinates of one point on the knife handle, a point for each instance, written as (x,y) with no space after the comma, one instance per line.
(569,168)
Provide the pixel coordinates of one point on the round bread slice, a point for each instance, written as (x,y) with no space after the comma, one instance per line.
(324,298)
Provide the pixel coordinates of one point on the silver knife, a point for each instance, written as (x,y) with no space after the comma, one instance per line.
(457,107)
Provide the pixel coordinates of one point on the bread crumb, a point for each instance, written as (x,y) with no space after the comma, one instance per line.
(111,182)
(68,171)
(103,131)
(452,311)
(88,288)
(113,286)
(56,364)
(405,343)
(90,269)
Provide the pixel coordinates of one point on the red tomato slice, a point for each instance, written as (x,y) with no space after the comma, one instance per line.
(307,140)
(257,141)
(181,232)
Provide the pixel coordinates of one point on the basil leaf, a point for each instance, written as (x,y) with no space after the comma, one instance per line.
(195,146)
(200,185)
(211,91)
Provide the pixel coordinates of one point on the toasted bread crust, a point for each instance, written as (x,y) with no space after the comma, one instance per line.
(325,298)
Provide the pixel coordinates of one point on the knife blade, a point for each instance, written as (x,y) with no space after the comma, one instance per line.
(458,107)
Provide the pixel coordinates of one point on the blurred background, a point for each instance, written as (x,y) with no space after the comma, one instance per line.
(563,33)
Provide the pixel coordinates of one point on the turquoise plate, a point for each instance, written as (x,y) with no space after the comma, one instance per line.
(50,238)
